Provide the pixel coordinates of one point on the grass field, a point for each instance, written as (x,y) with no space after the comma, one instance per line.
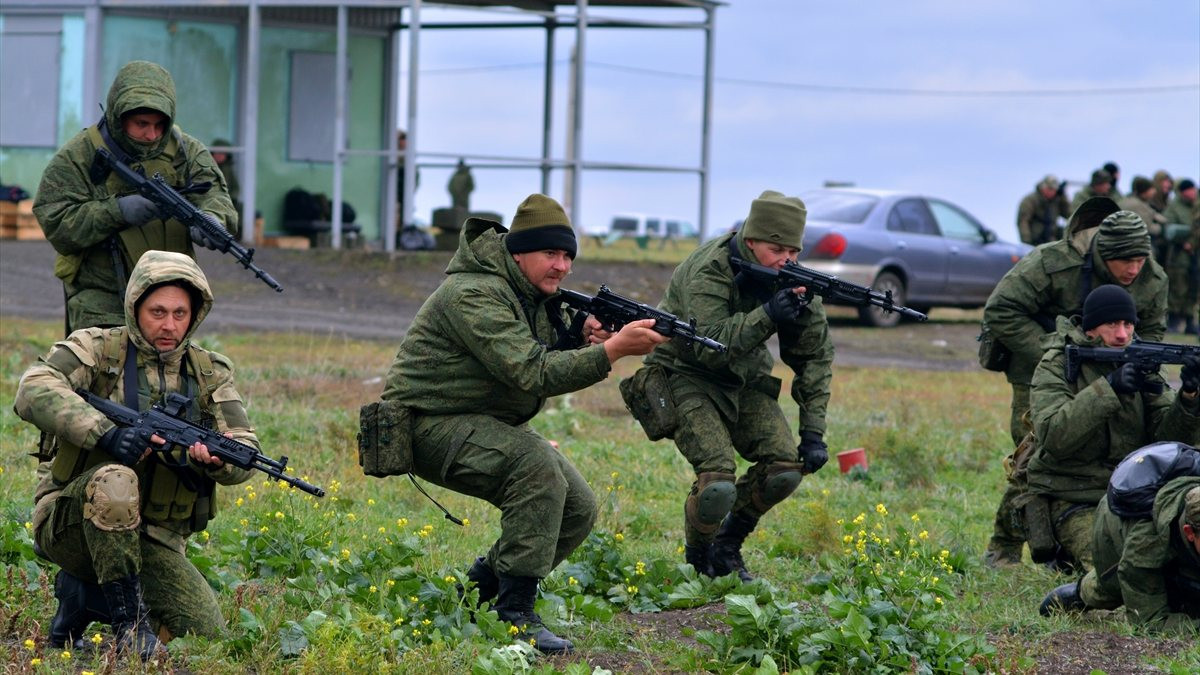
(363,580)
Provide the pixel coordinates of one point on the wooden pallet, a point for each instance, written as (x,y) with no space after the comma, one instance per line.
(17,221)
(286,242)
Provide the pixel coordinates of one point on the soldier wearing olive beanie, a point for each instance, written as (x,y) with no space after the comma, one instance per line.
(777,219)
(540,225)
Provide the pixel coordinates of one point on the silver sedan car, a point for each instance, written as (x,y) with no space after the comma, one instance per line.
(926,251)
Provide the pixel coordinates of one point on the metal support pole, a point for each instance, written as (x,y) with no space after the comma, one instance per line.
(249,133)
(387,231)
(339,125)
(548,105)
(576,158)
(410,152)
(706,123)
(92,50)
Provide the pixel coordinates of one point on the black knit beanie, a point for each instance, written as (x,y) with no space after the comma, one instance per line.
(1108,303)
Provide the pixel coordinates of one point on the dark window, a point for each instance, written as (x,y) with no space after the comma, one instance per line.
(35,43)
(912,216)
(620,224)
(310,111)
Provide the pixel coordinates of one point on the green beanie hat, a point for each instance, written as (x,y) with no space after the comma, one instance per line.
(540,224)
(1122,235)
(776,219)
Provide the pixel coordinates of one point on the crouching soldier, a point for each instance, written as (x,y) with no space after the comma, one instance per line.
(111,512)
(1146,543)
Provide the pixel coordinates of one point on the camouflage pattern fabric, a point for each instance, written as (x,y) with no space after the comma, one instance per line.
(1037,217)
(546,506)
(1153,219)
(1084,428)
(475,366)
(1073,530)
(46,398)
(1137,561)
(1182,262)
(80,218)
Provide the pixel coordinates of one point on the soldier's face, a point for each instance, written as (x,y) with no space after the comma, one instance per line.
(1102,189)
(1192,536)
(1125,270)
(1113,333)
(164,317)
(544,269)
(145,127)
(770,254)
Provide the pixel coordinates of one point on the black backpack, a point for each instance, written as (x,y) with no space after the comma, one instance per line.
(300,205)
(1138,478)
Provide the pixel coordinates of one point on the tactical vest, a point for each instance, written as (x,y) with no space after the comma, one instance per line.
(169,235)
(165,494)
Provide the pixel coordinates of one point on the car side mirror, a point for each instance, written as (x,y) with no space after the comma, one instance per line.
(989,237)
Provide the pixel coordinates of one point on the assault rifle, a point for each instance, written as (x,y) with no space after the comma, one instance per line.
(827,286)
(174,205)
(1148,356)
(167,419)
(614,311)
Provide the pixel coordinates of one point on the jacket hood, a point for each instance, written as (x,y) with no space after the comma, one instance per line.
(1168,503)
(1089,214)
(140,84)
(155,267)
(481,250)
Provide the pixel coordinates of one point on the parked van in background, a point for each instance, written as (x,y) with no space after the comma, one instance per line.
(641,225)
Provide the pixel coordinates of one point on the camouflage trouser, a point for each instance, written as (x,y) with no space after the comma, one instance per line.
(1100,588)
(174,591)
(1183,295)
(708,441)
(1073,525)
(1008,532)
(546,507)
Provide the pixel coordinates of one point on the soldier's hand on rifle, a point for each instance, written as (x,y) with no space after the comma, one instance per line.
(634,339)
(1131,378)
(1190,375)
(200,454)
(136,210)
(198,236)
(787,305)
(128,445)
(593,331)
(812,451)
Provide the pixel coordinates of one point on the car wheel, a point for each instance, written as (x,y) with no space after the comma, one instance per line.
(875,316)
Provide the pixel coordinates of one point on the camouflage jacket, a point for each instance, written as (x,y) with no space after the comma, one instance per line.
(1049,282)
(1142,560)
(1179,211)
(80,216)
(703,288)
(1153,219)
(482,342)
(46,393)
(1083,429)
(1085,193)
(1037,217)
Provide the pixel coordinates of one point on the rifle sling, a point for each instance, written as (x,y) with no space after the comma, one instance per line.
(190,479)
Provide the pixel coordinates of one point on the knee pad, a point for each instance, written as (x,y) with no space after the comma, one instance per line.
(777,481)
(112,499)
(710,500)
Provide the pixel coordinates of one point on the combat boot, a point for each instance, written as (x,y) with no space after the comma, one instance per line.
(996,558)
(1065,598)
(698,557)
(485,580)
(79,603)
(515,605)
(129,618)
(726,553)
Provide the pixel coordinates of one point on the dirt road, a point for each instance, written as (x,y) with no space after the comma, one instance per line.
(375,295)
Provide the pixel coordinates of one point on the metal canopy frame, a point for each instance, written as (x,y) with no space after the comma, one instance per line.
(384,17)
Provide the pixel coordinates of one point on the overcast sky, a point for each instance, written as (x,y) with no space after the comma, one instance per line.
(970,101)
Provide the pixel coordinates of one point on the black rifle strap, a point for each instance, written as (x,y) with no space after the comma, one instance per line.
(1085,279)
(131,378)
(449,517)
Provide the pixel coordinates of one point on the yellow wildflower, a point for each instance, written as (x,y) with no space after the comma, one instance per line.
(572,581)
(881,509)
(915,518)
(345,554)
(29,645)
(466,522)
(96,639)
(370,502)
(35,662)
(65,656)
(923,535)
(513,630)
(450,578)
(425,622)
(391,582)
(619,537)
(402,522)
(372,589)
(239,501)
(632,590)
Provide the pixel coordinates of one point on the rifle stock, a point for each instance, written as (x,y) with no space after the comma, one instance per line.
(614,311)
(174,205)
(167,420)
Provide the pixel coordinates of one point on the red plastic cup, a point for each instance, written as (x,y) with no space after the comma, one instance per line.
(848,459)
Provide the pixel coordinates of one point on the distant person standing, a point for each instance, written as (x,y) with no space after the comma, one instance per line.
(224,162)
(1038,214)
(1139,201)
(401,161)
(1100,185)
(99,225)
(461,186)
(1114,171)
(1183,259)
(1163,186)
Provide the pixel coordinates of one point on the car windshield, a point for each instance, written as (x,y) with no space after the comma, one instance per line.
(840,207)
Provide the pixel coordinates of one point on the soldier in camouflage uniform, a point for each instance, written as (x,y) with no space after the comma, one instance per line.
(483,354)
(1099,186)
(1139,201)
(109,512)
(727,403)
(1102,246)
(1039,211)
(96,222)
(1163,186)
(1084,427)
(1183,259)
(1152,567)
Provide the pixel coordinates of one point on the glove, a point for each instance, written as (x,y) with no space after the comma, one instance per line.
(200,238)
(1130,379)
(125,444)
(136,210)
(1190,375)
(812,451)
(785,306)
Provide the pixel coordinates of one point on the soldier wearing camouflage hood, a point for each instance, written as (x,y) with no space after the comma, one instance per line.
(727,403)
(1151,566)
(109,512)
(484,352)
(1084,426)
(1102,246)
(96,222)
(1039,211)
